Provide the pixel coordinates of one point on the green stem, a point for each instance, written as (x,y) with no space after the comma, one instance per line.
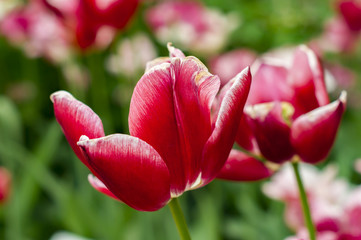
(305,206)
(179,219)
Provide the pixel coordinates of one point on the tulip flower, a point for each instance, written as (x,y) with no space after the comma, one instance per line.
(5,184)
(174,144)
(289,111)
(87,18)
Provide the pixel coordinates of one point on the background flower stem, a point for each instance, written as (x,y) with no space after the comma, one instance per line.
(305,206)
(179,219)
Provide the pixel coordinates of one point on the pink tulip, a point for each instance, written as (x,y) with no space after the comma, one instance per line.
(229,64)
(174,145)
(5,184)
(288,109)
(86,18)
(36,30)
(191,25)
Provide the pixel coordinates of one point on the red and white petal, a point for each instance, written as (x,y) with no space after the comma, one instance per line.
(307,78)
(131,169)
(271,131)
(76,119)
(170,110)
(99,185)
(219,144)
(241,167)
(313,134)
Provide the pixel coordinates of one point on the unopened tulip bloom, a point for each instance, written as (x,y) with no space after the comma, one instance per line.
(174,144)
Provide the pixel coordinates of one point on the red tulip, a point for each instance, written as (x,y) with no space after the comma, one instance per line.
(174,145)
(289,111)
(5,184)
(86,17)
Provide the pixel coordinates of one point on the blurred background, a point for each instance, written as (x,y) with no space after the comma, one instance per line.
(44,47)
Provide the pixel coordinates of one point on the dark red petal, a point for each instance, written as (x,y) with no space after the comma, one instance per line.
(271,131)
(241,167)
(170,110)
(221,141)
(245,137)
(76,119)
(351,12)
(99,185)
(307,78)
(131,169)
(313,134)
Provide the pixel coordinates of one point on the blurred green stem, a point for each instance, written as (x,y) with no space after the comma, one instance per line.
(305,205)
(179,219)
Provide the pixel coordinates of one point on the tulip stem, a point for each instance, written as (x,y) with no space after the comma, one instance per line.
(179,219)
(304,201)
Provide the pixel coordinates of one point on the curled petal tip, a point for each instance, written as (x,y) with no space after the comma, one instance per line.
(82,140)
(174,52)
(343,97)
(60,94)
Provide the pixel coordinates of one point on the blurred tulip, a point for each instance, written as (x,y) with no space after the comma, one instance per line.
(37,31)
(167,152)
(227,65)
(191,25)
(325,205)
(128,60)
(93,21)
(336,37)
(336,213)
(5,184)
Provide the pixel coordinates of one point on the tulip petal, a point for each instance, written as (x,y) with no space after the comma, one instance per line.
(76,119)
(351,12)
(245,137)
(174,115)
(271,131)
(118,13)
(131,169)
(99,185)
(269,74)
(313,134)
(241,167)
(306,77)
(225,129)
